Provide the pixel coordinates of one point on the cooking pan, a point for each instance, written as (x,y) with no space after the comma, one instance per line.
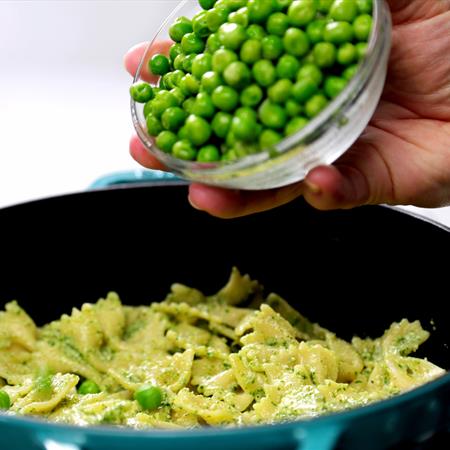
(354,271)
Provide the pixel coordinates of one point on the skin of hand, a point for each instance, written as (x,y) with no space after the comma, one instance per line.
(403,156)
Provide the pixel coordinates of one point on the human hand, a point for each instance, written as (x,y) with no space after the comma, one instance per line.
(403,156)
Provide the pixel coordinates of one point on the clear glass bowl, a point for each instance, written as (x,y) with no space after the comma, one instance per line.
(322,141)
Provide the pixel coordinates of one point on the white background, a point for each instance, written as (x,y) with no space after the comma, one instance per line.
(64,106)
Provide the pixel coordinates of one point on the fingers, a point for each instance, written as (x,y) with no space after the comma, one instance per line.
(143,156)
(226,203)
(363,175)
(134,56)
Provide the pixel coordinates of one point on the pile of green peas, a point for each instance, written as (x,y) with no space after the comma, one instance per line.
(244,74)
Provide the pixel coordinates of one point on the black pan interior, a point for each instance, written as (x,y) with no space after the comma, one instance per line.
(353,271)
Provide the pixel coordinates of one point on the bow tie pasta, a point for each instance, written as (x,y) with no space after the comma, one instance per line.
(233,358)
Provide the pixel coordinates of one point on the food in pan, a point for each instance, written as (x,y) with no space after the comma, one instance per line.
(233,358)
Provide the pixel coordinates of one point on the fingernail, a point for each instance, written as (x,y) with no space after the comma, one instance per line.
(313,188)
(193,204)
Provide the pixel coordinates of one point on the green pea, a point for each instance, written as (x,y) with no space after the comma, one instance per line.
(243,128)
(232,35)
(178,93)
(230,140)
(269,138)
(338,32)
(237,75)
(174,51)
(43,383)
(186,64)
(280,91)
(182,149)
(235,4)
(251,51)
(252,95)
(225,98)
(147,108)
(200,25)
(256,31)
(345,10)
(203,106)
(277,24)
(154,126)
(210,80)
(272,115)
(221,124)
(272,47)
(315,105)
(264,73)
(162,101)
(141,92)
(88,387)
(183,134)
(230,155)
(5,401)
(364,6)
(159,64)
(181,27)
(201,64)
(281,5)
(240,17)
(222,58)
(212,43)
(192,43)
(315,29)
(166,140)
(207,4)
(244,148)
(178,62)
(301,12)
(309,58)
(304,89)
(310,71)
(199,129)
(175,78)
(296,42)
(324,54)
(188,105)
(324,6)
(334,86)
(189,85)
(208,153)
(161,85)
(246,112)
(293,108)
(362,27)
(361,49)
(167,83)
(287,67)
(173,118)
(350,72)
(346,54)
(259,10)
(294,125)
(216,17)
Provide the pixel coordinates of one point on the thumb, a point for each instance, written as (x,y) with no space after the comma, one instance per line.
(333,187)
